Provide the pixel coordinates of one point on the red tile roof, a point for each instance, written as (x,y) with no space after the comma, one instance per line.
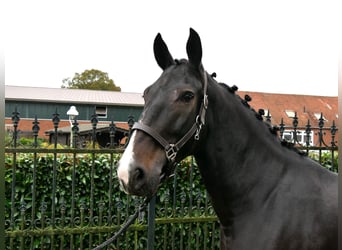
(306,107)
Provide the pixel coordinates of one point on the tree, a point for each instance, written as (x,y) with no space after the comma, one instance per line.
(90,79)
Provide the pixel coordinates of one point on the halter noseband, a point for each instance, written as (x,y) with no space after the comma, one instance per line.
(171,149)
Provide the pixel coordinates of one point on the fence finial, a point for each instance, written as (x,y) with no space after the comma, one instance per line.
(35,130)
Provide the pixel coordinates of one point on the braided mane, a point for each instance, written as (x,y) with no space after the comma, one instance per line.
(273,129)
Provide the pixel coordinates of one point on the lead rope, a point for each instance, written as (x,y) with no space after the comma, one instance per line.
(125,226)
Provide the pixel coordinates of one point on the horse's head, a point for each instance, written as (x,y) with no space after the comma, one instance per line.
(173,115)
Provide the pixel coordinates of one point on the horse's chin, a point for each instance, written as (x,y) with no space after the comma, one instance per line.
(148,190)
(152,181)
(153,185)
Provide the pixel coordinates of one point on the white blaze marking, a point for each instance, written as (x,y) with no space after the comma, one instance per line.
(126,161)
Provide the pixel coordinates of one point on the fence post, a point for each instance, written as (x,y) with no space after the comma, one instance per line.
(55,121)
(308,136)
(112,129)
(281,128)
(151,223)
(333,131)
(15,121)
(295,124)
(74,133)
(320,136)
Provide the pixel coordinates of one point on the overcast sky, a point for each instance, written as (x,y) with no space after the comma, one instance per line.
(266,46)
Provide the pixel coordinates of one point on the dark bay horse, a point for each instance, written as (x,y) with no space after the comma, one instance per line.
(266,194)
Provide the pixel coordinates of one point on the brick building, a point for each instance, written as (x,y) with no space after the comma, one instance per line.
(118,106)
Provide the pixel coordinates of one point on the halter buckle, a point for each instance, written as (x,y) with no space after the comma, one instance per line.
(171,152)
(198,131)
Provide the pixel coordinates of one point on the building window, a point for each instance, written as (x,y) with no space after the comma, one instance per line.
(267,112)
(318,116)
(290,113)
(301,137)
(101,111)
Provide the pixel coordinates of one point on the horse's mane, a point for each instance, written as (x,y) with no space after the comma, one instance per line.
(273,129)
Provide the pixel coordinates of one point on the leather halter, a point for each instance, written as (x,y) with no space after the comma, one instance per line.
(171,149)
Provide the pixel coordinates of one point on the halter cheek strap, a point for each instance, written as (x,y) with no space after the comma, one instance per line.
(171,149)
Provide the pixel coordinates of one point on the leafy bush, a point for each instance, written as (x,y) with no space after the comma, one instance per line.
(327,159)
(87,194)
(77,204)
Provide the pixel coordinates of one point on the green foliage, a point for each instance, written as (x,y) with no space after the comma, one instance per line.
(86,194)
(62,183)
(78,205)
(26,142)
(91,79)
(326,159)
(8,138)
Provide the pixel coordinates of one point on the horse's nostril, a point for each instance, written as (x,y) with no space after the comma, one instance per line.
(137,180)
(139,174)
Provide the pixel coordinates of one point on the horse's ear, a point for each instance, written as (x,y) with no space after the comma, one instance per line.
(194,49)
(161,53)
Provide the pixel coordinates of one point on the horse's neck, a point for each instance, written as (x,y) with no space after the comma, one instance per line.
(236,155)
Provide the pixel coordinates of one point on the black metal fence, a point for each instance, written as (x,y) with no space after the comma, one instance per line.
(69,198)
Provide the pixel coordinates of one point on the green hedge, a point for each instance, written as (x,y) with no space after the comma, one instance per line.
(181,197)
(188,200)
(327,160)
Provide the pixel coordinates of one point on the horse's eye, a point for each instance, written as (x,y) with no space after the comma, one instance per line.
(187,96)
